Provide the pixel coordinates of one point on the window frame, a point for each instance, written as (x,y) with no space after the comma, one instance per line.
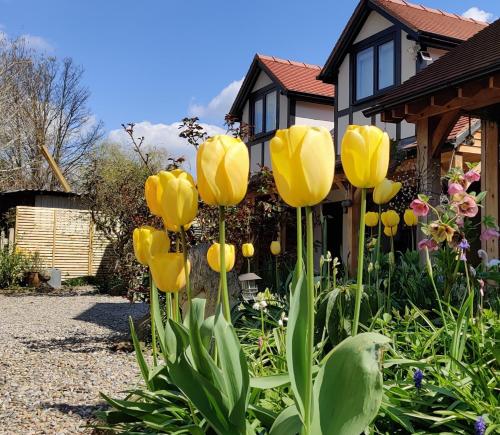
(374,43)
(262,94)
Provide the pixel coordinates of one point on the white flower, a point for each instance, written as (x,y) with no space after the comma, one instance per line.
(280,322)
(263,304)
(256,306)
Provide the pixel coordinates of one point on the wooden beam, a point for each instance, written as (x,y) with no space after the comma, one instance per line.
(467,149)
(470,90)
(55,168)
(442,128)
(490,161)
(398,113)
(415,107)
(494,82)
(444,97)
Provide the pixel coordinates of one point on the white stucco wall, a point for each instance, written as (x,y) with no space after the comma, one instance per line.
(342,90)
(374,23)
(319,115)
(262,80)
(408,57)
(283,118)
(342,123)
(245,116)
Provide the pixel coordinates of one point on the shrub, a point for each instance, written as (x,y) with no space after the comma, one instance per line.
(13,265)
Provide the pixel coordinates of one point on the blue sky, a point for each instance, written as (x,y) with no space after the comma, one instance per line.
(157,61)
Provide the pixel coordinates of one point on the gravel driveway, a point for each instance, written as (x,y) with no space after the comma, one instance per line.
(55,358)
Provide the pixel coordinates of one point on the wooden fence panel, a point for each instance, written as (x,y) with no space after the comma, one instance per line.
(64,238)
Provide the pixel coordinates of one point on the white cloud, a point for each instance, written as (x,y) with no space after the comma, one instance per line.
(37,42)
(165,136)
(478,14)
(218,106)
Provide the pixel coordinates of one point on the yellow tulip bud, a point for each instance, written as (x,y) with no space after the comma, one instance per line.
(168,271)
(275,247)
(174,228)
(213,257)
(390,231)
(410,218)
(223,165)
(303,163)
(365,155)
(150,192)
(385,191)
(177,197)
(247,250)
(149,241)
(371,219)
(390,218)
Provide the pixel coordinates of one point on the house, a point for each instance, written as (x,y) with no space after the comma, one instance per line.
(436,97)
(276,94)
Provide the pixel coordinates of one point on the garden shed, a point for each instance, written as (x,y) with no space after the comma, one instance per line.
(59,227)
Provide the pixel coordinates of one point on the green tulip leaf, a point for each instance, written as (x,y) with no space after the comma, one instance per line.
(138,354)
(348,388)
(296,336)
(287,423)
(158,319)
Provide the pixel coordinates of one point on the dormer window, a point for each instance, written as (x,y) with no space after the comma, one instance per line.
(264,113)
(374,68)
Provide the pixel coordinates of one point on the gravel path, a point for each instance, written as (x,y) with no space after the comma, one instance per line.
(55,358)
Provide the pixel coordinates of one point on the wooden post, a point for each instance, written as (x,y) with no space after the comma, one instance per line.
(490,161)
(3,241)
(54,223)
(91,245)
(11,240)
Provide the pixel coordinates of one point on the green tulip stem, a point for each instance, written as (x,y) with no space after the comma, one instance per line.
(168,305)
(223,274)
(175,308)
(276,276)
(309,345)
(151,313)
(431,276)
(186,268)
(377,254)
(361,255)
(299,242)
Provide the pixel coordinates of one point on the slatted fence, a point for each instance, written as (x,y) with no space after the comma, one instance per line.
(65,239)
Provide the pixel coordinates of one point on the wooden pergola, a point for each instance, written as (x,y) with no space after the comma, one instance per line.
(465,81)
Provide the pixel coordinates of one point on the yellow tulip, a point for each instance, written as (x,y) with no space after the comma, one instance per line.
(303,163)
(371,219)
(365,155)
(410,218)
(390,218)
(175,228)
(275,247)
(222,164)
(385,191)
(168,271)
(247,250)
(390,231)
(177,197)
(213,257)
(149,241)
(150,192)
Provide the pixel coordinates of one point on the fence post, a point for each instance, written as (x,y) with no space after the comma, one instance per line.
(2,240)
(11,240)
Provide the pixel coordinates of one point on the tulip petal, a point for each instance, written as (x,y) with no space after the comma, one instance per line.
(208,159)
(234,169)
(354,156)
(379,160)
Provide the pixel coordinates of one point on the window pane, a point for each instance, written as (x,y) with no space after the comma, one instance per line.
(386,65)
(271,111)
(258,114)
(255,157)
(364,73)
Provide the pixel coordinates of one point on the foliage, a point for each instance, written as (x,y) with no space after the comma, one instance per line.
(14,265)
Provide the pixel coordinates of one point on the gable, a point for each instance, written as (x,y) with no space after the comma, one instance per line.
(373,24)
(262,80)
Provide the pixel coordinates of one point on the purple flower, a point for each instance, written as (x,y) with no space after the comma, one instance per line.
(417,378)
(489,234)
(480,426)
(464,244)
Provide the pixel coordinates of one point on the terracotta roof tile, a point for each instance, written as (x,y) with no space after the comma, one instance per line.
(297,76)
(430,20)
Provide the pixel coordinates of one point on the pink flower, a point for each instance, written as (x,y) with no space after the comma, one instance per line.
(472,176)
(430,244)
(489,234)
(465,204)
(459,221)
(455,188)
(419,208)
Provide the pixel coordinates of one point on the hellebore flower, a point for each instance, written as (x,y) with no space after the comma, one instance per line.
(390,218)
(150,192)
(371,219)
(420,208)
(430,244)
(149,241)
(213,257)
(275,247)
(465,204)
(410,217)
(178,197)
(247,250)
(418,376)
(472,176)
(222,164)
(303,163)
(489,234)
(385,191)
(480,426)
(441,232)
(168,271)
(454,188)
(390,231)
(365,155)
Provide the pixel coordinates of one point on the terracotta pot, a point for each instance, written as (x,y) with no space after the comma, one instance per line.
(33,279)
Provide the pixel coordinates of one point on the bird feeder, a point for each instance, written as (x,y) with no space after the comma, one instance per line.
(249,286)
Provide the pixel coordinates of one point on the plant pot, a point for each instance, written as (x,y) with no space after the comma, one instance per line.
(33,279)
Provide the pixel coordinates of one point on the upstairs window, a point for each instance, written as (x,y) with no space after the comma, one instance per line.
(375,69)
(265,113)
